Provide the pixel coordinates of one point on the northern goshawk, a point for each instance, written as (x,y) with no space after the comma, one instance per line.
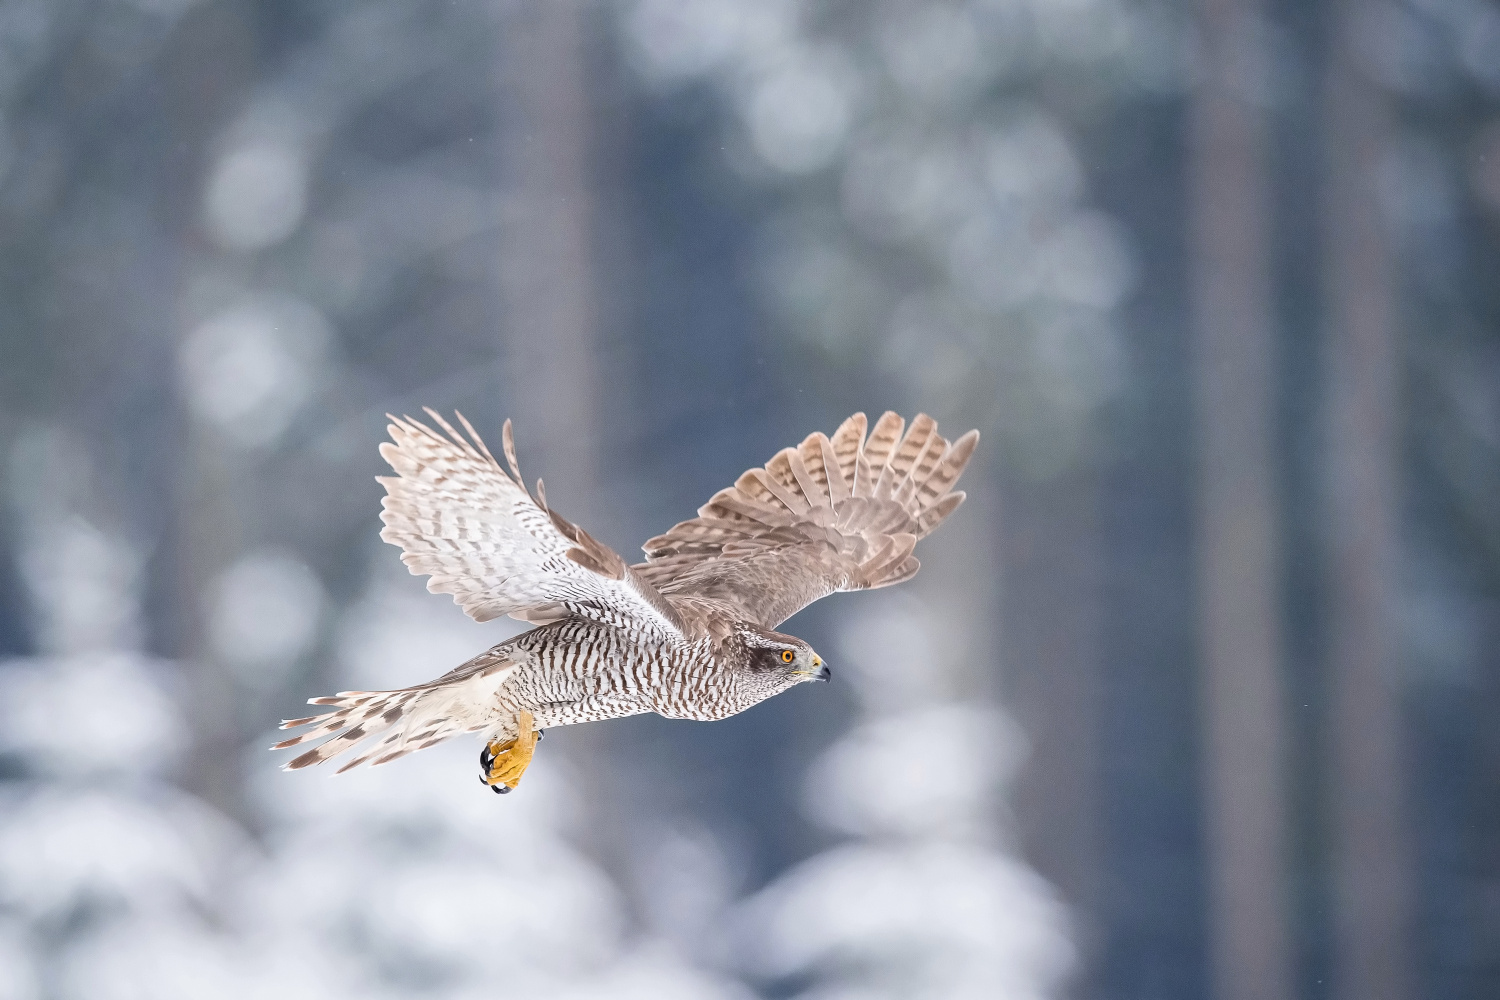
(687,634)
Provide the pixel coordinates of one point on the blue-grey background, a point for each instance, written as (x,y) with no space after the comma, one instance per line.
(1219,283)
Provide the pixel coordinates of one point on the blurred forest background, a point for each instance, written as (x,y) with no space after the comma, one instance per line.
(1196,697)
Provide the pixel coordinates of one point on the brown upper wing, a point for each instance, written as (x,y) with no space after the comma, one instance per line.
(832,514)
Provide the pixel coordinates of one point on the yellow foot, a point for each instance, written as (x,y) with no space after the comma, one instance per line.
(504,763)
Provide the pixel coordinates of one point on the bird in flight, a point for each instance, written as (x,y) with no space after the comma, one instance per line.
(689,633)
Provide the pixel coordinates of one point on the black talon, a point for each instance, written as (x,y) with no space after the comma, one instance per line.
(500,789)
(539,734)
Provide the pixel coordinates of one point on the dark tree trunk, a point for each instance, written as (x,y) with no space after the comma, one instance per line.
(1239,629)
(1371,864)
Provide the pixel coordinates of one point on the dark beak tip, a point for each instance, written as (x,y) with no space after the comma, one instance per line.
(824,674)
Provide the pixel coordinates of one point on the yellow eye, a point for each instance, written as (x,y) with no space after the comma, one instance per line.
(786,656)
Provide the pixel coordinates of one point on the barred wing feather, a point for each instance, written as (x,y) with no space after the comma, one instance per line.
(832,514)
(479,535)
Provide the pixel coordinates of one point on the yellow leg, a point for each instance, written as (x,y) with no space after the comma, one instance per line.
(505,762)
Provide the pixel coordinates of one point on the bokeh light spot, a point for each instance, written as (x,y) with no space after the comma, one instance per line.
(265,614)
(256,197)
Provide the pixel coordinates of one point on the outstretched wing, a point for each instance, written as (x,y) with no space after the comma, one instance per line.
(480,536)
(829,515)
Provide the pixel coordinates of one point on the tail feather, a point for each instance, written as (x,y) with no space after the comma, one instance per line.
(410,719)
(400,743)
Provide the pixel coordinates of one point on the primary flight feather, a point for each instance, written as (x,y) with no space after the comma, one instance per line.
(689,633)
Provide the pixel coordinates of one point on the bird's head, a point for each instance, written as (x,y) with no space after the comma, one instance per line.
(783,656)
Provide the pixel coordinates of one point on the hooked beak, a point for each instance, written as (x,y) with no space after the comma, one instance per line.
(819,672)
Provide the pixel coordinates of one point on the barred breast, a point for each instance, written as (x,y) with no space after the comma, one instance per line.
(578,670)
